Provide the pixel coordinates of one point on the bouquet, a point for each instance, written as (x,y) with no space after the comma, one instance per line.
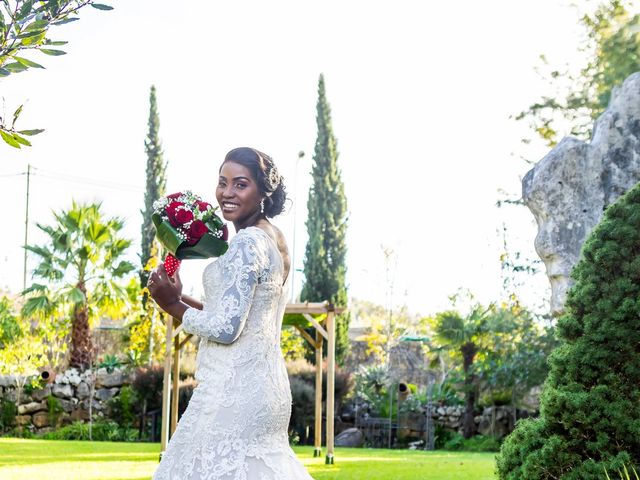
(188,228)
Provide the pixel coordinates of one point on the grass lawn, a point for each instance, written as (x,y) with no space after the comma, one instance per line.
(69,460)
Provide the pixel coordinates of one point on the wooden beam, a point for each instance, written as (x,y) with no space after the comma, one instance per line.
(317,451)
(313,308)
(331,384)
(306,336)
(317,325)
(185,340)
(175,391)
(177,331)
(166,390)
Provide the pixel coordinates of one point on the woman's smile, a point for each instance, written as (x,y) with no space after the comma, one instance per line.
(238,195)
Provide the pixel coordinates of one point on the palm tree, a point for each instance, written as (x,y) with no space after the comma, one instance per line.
(467,336)
(81,263)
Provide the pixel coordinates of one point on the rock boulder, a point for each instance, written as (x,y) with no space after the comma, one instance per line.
(568,190)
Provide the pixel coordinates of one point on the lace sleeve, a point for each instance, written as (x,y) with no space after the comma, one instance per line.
(224,323)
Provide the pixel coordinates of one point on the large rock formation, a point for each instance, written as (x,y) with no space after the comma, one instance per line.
(568,190)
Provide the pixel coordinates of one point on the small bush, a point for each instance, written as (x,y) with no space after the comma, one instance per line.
(100,431)
(442,436)
(54,410)
(624,473)
(302,377)
(8,413)
(496,398)
(307,372)
(477,443)
(455,442)
(302,408)
(110,362)
(33,383)
(589,409)
(122,407)
(20,432)
(147,383)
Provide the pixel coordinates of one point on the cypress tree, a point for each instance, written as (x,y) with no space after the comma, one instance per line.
(590,407)
(145,333)
(155,187)
(324,263)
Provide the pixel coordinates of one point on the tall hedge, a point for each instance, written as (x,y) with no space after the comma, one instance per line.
(590,407)
(325,255)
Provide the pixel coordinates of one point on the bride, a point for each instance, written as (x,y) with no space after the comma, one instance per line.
(235,427)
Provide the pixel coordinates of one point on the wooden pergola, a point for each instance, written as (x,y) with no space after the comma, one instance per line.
(320,316)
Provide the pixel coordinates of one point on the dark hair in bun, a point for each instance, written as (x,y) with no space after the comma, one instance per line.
(270,182)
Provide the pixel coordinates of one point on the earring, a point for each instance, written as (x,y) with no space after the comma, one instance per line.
(262,206)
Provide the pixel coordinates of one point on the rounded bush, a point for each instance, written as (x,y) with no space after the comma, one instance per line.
(590,406)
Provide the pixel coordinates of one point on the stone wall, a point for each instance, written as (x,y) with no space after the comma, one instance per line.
(496,421)
(410,429)
(73,391)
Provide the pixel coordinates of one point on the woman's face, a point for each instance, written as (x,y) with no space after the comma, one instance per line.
(237,194)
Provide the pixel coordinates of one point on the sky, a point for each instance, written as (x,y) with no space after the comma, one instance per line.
(422,96)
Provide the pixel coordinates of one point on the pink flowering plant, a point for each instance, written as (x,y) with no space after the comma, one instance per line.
(188,228)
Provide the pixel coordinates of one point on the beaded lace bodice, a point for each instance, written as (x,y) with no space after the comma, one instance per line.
(235,427)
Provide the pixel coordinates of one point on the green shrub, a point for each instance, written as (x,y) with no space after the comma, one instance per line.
(54,410)
(590,406)
(110,363)
(624,474)
(496,398)
(8,413)
(122,407)
(454,443)
(19,432)
(442,436)
(100,431)
(447,393)
(303,402)
(477,443)
(147,384)
(302,377)
(33,383)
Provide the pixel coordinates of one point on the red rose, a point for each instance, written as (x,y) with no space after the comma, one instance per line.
(183,216)
(196,231)
(225,232)
(177,213)
(203,206)
(173,196)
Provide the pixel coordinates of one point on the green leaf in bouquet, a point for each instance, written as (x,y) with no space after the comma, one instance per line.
(214,223)
(168,236)
(156,219)
(208,246)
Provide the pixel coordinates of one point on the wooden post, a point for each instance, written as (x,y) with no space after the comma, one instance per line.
(166,388)
(175,379)
(317,451)
(331,373)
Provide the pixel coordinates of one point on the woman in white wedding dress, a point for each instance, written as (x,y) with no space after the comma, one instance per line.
(235,427)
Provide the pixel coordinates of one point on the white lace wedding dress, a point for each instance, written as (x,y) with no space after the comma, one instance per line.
(235,427)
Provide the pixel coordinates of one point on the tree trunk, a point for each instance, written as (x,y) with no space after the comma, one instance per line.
(469,351)
(81,343)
